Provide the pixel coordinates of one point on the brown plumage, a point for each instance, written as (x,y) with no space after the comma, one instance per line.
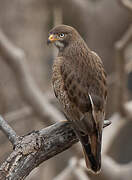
(79,83)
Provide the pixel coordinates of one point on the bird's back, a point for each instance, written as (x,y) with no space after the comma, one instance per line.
(74,77)
(82,72)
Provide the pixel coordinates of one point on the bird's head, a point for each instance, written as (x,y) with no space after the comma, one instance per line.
(62,35)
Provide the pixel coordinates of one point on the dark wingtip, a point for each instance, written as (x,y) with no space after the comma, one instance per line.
(93,162)
(96,169)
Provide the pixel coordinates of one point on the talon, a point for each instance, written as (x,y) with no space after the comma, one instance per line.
(106,123)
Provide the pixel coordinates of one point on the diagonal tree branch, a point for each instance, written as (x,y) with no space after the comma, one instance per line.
(36,147)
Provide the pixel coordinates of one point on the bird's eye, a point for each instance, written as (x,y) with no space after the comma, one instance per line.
(62,35)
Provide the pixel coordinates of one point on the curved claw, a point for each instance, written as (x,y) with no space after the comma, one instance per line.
(106,123)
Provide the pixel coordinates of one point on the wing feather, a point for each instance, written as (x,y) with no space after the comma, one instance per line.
(81,81)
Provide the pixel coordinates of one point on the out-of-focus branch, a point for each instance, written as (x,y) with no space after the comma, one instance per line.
(72,171)
(8,131)
(110,170)
(33,149)
(118,123)
(67,173)
(125,40)
(22,113)
(127,4)
(121,73)
(16,59)
(113,132)
(26,111)
(82,4)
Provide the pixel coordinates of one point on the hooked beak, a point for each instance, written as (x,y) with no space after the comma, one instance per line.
(52,38)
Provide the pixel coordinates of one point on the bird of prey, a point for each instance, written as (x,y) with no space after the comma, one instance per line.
(79,83)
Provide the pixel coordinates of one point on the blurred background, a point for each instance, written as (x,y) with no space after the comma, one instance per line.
(106,26)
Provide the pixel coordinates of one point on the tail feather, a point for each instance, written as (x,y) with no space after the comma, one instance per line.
(92,151)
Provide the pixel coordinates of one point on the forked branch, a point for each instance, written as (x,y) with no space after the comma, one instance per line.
(36,147)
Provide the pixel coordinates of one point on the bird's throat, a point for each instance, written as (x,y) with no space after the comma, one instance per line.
(59,45)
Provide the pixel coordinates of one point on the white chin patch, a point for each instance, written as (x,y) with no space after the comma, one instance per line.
(59,44)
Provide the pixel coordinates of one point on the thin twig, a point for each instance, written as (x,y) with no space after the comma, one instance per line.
(8,131)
